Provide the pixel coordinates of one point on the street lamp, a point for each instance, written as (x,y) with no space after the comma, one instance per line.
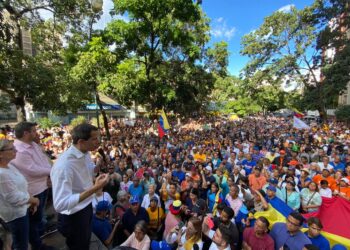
(96,7)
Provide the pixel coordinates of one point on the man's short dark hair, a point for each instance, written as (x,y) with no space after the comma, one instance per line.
(82,132)
(229,211)
(316,221)
(264,220)
(227,234)
(324,182)
(298,217)
(22,127)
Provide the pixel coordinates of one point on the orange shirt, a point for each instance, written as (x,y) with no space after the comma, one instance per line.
(345,191)
(331,181)
(256,183)
(196,177)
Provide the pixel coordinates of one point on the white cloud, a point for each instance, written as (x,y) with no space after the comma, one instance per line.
(220,29)
(286,8)
(219,20)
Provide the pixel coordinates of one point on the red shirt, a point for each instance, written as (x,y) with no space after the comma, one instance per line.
(264,243)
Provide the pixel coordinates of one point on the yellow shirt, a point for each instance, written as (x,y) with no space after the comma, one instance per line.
(200,157)
(155,218)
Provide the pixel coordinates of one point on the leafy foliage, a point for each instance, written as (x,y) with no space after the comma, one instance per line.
(343,113)
(77,121)
(47,123)
(292,45)
(166,62)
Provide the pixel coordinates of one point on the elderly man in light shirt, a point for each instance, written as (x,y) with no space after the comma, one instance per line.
(73,187)
(34,165)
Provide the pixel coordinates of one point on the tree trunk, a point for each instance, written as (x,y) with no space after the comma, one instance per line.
(105,120)
(21,112)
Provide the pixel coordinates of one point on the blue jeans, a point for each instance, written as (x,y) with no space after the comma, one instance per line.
(20,232)
(36,222)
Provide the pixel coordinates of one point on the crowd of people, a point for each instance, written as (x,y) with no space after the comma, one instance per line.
(196,188)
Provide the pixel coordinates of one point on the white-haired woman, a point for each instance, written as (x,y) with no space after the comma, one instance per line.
(14,197)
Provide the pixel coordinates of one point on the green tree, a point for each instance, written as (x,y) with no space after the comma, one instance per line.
(91,70)
(33,79)
(343,113)
(167,63)
(291,45)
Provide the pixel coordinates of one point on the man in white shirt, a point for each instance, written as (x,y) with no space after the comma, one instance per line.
(73,188)
(221,238)
(325,164)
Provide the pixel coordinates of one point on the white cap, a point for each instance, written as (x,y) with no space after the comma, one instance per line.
(346,180)
(209,168)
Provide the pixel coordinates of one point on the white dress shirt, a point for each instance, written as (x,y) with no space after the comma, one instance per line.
(71,175)
(14,194)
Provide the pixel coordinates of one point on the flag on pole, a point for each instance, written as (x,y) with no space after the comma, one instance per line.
(299,124)
(163,124)
(161,131)
(298,114)
(163,120)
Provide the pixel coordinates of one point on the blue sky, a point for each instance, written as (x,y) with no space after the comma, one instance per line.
(231,19)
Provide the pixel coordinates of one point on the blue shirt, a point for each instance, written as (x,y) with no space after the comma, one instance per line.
(211,200)
(248,166)
(257,157)
(320,241)
(179,174)
(225,188)
(138,191)
(340,166)
(281,236)
(293,200)
(101,228)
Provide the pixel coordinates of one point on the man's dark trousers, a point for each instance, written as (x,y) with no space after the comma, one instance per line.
(77,228)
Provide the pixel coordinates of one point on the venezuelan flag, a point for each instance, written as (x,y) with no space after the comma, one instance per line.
(163,120)
(298,114)
(163,124)
(335,217)
(334,214)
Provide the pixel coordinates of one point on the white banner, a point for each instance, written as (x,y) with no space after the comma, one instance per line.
(299,124)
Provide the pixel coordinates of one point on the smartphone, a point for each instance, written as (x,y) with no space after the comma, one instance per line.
(210,222)
(181,224)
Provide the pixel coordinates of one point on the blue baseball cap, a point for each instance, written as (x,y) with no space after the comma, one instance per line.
(272,188)
(134,199)
(160,245)
(103,206)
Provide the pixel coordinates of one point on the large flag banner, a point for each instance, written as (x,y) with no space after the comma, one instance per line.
(299,124)
(334,214)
